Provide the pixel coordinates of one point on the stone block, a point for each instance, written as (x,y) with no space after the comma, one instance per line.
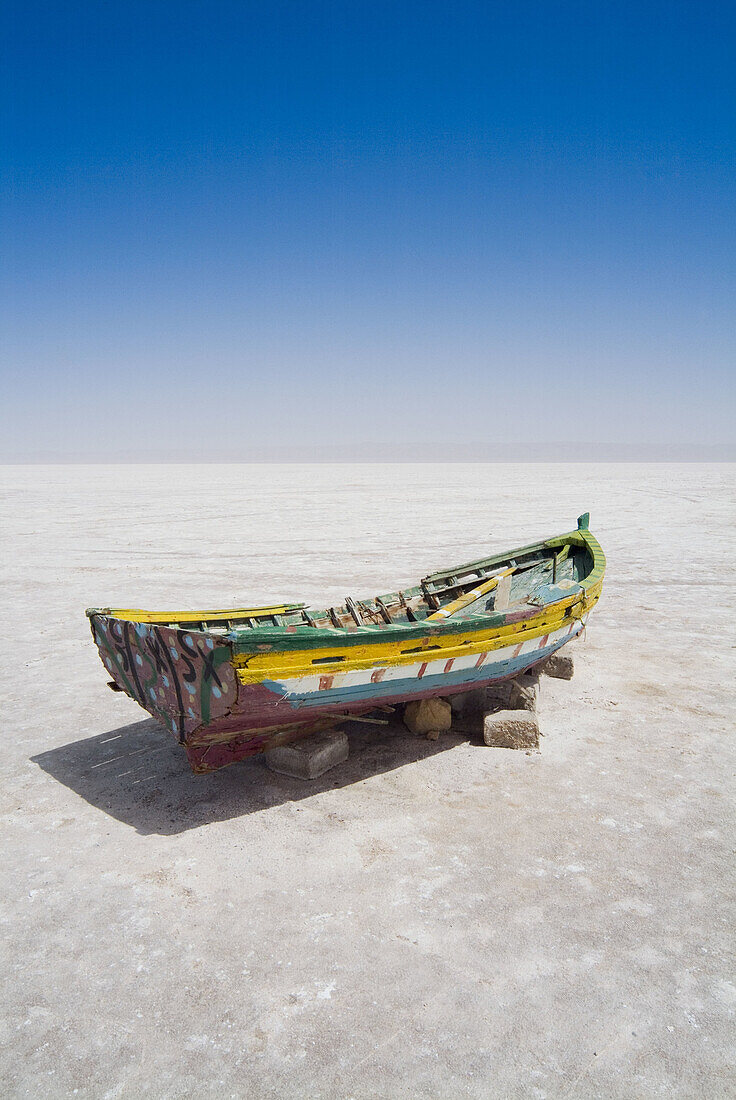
(511,729)
(524,694)
(425,715)
(310,757)
(559,666)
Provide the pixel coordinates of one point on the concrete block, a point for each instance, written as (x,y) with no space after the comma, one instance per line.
(511,729)
(425,715)
(560,666)
(310,757)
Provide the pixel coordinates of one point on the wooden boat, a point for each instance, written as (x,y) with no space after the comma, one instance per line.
(232,683)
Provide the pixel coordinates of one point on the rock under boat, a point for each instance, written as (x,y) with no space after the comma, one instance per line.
(232,683)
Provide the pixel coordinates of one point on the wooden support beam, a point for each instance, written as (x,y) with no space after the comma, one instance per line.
(368,721)
(350,604)
(468,598)
(335,619)
(384,610)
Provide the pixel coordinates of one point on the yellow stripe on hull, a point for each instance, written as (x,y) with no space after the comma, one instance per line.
(137,615)
(254,668)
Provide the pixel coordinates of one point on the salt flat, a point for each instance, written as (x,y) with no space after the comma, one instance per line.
(429,919)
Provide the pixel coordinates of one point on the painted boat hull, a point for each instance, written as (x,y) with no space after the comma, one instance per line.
(220,721)
(226,698)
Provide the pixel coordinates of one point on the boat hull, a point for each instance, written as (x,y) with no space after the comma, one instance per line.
(193,686)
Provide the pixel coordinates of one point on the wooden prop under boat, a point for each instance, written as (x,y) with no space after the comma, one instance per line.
(233,683)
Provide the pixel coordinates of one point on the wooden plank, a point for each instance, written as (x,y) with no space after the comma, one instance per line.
(563,555)
(350,604)
(469,597)
(138,615)
(430,596)
(384,610)
(368,721)
(503,593)
(335,619)
(437,591)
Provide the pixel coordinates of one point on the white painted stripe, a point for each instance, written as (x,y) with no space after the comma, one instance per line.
(301,685)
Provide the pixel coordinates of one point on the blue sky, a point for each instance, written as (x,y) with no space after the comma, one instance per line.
(230,227)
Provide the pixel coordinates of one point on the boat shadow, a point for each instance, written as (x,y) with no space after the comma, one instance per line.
(139,776)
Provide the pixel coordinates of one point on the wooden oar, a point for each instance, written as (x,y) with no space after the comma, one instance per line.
(468,597)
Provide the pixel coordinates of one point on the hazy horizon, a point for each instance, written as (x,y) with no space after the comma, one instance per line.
(366,454)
